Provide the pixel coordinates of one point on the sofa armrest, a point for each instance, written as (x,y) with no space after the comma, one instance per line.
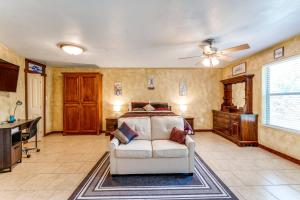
(190,143)
(114,143)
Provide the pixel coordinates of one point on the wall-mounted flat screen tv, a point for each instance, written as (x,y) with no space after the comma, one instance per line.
(9,74)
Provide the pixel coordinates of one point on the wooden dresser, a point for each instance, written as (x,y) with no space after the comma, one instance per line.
(82,103)
(237,124)
(239,128)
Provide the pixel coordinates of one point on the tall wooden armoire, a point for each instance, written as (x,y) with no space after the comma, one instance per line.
(82,103)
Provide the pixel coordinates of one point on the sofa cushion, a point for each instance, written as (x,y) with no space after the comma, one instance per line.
(168,149)
(161,126)
(141,125)
(135,149)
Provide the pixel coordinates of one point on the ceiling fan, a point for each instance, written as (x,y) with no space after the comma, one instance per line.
(212,56)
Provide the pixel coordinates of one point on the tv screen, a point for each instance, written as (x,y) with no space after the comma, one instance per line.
(9,74)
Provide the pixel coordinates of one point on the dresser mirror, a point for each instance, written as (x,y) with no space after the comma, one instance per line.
(238,95)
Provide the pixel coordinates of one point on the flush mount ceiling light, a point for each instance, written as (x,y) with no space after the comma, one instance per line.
(71,49)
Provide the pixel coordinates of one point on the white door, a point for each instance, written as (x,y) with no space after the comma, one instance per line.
(35,94)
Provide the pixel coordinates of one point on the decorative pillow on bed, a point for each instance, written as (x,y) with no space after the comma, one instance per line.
(148,107)
(124,133)
(138,109)
(178,135)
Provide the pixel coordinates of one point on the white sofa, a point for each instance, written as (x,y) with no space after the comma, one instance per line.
(152,152)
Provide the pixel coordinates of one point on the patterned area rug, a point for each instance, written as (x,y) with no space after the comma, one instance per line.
(204,184)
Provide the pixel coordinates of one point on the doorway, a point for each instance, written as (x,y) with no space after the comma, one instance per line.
(35,94)
(35,90)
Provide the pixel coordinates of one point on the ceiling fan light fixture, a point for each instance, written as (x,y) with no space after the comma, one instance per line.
(210,61)
(215,61)
(206,62)
(72,49)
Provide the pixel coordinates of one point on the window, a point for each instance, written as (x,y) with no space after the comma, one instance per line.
(281,94)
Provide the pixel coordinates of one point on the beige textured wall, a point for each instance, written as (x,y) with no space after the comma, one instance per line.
(204,91)
(280,140)
(8,99)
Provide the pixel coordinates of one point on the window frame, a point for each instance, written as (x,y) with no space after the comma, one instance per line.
(266,95)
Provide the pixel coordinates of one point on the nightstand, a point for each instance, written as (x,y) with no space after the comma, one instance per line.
(111,125)
(190,120)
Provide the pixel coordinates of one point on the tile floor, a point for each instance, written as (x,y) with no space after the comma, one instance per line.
(53,173)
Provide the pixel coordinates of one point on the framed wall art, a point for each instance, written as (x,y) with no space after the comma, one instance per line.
(183,88)
(278,53)
(239,69)
(118,88)
(151,83)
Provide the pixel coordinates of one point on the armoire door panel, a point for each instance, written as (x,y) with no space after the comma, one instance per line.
(72,118)
(71,89)
(89,118)
(89,88)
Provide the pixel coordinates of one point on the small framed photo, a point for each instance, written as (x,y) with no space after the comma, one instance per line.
(239,69)
(151,83)
(278,53)
(183,88)
(118,88)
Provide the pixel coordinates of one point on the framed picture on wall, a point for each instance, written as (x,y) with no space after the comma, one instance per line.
(182,88)
(151,83)
(278,53)
(118,88)
(239,69)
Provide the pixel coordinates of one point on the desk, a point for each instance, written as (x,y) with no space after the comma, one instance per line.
(11,143)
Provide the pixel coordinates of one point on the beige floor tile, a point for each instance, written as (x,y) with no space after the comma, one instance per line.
(254,193)
(283,192)
(295,187)
(280,177)
(251,178)
(61,195)
(229,178)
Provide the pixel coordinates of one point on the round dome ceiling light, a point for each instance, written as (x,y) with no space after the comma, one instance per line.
(71,49)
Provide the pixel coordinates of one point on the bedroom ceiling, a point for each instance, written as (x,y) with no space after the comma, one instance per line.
(140,33)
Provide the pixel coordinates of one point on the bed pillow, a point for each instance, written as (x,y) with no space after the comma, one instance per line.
(148,107)
(124,133)
(138,109)
(178,135)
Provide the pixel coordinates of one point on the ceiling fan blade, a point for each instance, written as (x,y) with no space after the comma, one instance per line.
(225,57)
(189,57)
(236,48)
(198,63)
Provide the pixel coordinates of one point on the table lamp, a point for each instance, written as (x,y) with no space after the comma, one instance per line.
(12,118)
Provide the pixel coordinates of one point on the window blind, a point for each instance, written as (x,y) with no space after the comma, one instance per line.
(281,94)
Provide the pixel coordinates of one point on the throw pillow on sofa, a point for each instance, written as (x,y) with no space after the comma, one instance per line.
(124,133)
(178,135)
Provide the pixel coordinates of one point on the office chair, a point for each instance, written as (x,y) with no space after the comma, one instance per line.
(32,131)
